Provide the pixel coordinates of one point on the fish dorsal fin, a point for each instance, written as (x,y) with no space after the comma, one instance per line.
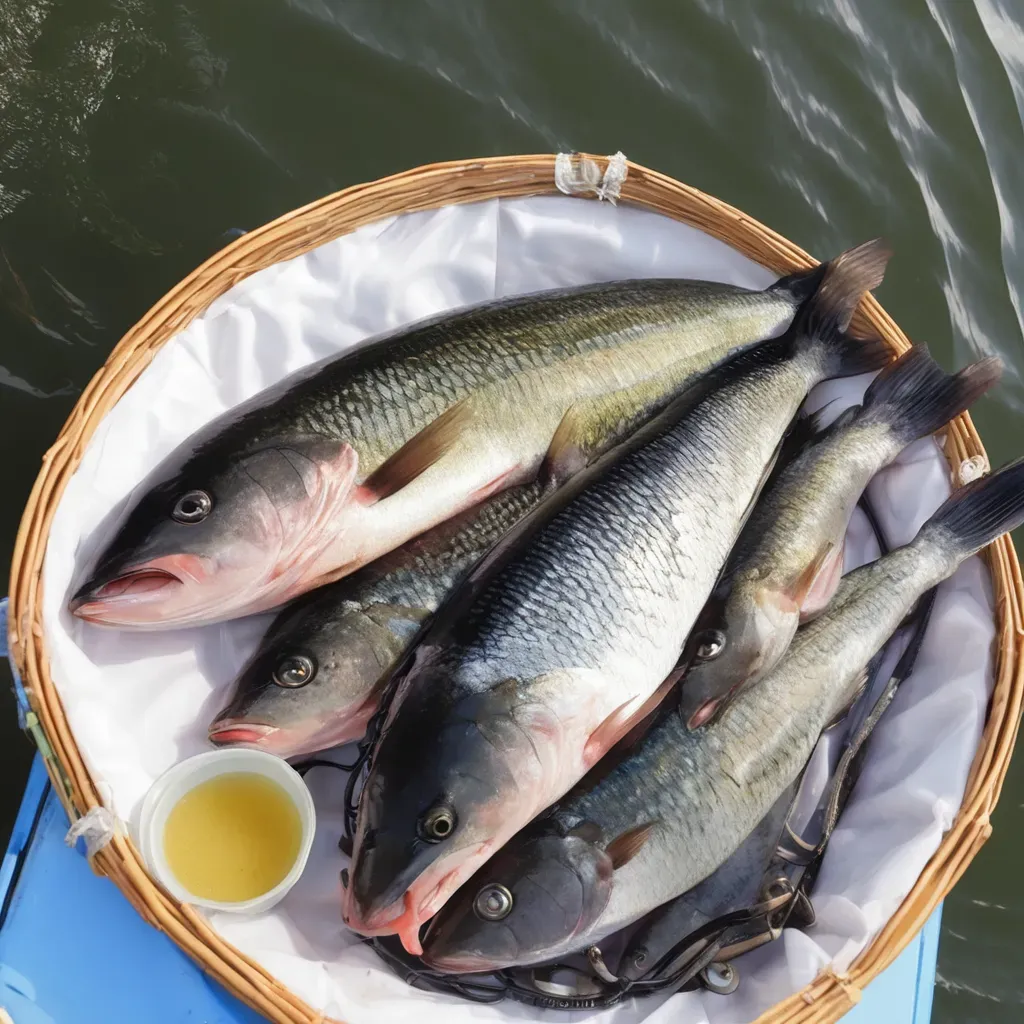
(623,848)
(805,430)
(568,452)
(595,424)
(419,453)
(766,474)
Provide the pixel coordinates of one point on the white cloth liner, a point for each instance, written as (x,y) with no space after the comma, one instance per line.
(138,703)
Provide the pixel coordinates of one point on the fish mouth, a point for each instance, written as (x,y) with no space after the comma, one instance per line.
(421,900)
(397,918)
(230,732)
(137,595)
(292,740)
(704,713)
(92,600)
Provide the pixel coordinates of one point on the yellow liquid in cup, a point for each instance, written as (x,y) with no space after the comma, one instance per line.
(233,837)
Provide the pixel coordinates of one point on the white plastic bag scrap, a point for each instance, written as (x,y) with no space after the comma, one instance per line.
(579,175)
(97,827)
(138,703)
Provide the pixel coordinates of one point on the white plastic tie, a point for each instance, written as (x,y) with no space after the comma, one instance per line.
(577,175)
(97,828)
(614,175)
(973,469)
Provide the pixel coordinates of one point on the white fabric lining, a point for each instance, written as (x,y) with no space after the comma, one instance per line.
(138,703)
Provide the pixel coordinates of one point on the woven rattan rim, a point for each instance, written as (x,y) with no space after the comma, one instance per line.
(429,187)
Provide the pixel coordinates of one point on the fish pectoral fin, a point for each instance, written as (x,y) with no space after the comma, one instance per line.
(622,721)
(419,453)
(623,848)
(644,718)
(813,588)
(608,733)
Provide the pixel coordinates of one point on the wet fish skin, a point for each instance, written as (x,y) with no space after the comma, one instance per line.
(560,641)
(789,557)
(353,632)
(734,885)
(351,457)
(702,792)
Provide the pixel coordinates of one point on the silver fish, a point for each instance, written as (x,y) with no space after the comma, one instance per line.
(350,458)
(316,677)
(735,884)
(563,637)
(665,817)
(789,557)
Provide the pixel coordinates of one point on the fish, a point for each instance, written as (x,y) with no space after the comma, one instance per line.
(666,816)
(568,632)
(317,675)
(346,460)
(734,885)
(789,557)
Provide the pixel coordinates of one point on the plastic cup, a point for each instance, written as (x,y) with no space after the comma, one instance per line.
(165,793)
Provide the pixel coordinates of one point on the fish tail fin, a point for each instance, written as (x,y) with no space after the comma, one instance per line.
(915,396)
(979,513)
(821,324)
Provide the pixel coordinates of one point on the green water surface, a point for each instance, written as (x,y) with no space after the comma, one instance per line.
(135,136)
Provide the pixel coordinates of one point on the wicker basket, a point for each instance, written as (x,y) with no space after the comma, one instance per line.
(829,996)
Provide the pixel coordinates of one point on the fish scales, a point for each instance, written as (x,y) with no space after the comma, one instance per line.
(353,632)
(789,558)
(714,787)
(576,625)
(422,572)
(346,460)
(484,346)
(620,542)
(522,687)
(690,798)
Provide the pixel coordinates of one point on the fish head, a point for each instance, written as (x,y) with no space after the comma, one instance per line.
(215,537)
(450,781)
(745,639)
(315,680)
(532,901)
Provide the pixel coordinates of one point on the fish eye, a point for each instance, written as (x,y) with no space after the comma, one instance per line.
(192,507)
(493,903)
(710,645)
(640,957)
(437,824)
(294,671)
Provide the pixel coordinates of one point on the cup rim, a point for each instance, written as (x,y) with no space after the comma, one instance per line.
(258,762)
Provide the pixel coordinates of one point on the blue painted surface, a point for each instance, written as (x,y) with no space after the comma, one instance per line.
(73,951)
(902,994)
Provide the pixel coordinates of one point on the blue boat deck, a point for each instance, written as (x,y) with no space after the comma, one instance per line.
(74,951)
